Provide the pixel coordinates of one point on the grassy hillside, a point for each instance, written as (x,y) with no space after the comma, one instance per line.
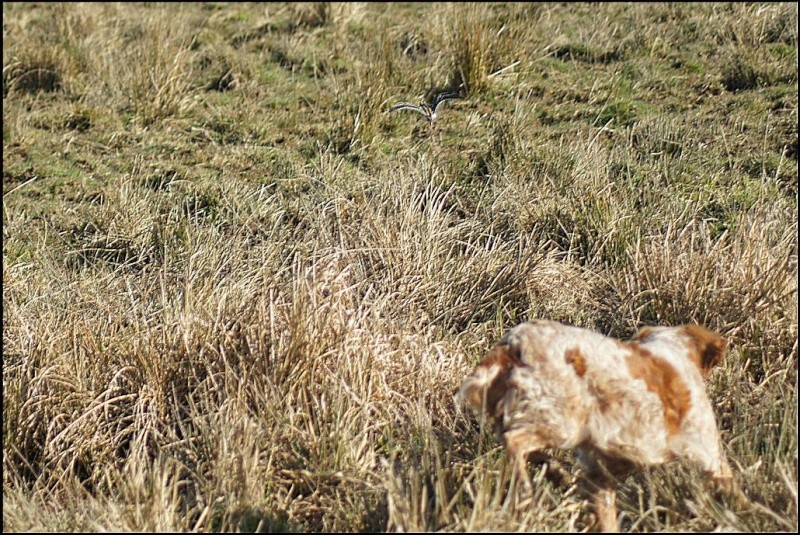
(239,294)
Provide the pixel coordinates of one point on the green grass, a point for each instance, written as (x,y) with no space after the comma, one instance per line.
(238,294)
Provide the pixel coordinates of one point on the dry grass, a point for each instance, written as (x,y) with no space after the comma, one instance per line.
(240,295)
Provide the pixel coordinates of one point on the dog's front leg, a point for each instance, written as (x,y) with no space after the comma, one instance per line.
(519,444)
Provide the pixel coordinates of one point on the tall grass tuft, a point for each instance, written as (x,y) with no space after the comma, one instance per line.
(470,47)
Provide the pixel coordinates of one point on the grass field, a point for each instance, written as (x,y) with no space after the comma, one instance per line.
(239,294)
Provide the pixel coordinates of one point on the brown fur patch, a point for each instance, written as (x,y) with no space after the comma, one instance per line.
(708,348)
(575,358)
(662,379)
(501,356)
(643,333)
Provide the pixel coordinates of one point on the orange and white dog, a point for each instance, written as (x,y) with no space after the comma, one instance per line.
(622,405)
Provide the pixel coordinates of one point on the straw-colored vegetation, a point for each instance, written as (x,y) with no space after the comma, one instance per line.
(238,294)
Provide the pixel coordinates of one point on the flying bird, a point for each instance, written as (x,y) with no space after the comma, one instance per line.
(427,110)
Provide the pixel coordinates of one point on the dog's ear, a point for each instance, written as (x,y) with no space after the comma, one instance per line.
(708,347)
(487,385)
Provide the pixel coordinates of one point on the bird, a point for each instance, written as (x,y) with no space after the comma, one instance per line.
(427,110)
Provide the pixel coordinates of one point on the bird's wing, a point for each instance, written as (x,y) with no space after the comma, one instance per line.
(441,98)
(407,106)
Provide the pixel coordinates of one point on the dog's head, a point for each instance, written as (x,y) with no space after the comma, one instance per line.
(487,385)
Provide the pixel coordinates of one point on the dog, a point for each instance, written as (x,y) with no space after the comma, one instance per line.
(622,405)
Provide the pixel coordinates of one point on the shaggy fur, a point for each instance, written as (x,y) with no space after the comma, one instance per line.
(623,405)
